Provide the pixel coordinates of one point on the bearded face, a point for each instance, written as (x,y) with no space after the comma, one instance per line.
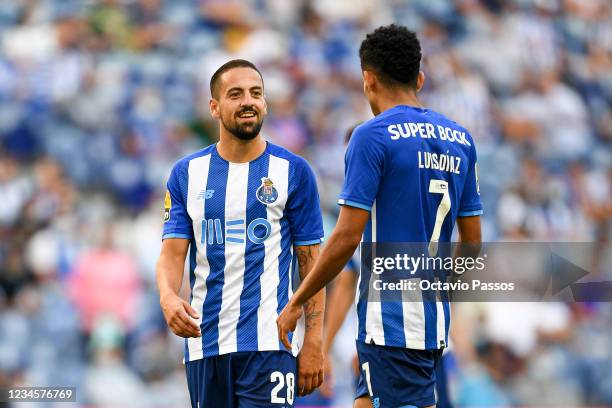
(240,106)
(244,123)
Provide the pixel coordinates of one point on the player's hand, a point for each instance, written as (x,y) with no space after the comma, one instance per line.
(180,316)
(327,388)
(310,368)
(287,321)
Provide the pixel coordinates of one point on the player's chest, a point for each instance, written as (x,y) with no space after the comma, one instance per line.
(243,206)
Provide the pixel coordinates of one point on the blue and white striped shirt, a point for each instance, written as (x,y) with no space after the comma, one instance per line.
(242,220)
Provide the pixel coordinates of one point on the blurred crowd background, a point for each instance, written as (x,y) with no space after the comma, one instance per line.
(98,99)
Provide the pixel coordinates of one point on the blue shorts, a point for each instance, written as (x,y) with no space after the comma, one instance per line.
(361,389)
(396,377)
(250,379)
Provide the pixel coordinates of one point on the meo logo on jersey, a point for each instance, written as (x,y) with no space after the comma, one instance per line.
(257,231)
(266,193)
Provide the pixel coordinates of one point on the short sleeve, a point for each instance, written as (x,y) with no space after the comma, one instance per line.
(364,166)
(470,197)
(303,209)
(177,223)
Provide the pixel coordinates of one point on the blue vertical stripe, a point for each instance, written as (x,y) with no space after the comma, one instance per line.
(392,317)
(253,260)
(364,273)
(284,270)
(214,209)
(446,305)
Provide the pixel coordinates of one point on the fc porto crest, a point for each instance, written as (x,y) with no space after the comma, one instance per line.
(266,193)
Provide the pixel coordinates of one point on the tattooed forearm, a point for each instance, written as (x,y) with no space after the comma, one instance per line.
(306,256)
(313,308)
(312,314)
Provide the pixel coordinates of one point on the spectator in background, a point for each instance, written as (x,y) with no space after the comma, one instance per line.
(104,282)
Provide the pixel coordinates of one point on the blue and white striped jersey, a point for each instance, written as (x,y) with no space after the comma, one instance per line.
(242,220)
(415,171)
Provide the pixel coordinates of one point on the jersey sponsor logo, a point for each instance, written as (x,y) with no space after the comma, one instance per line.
(266,193)
(426,131)
(235,232)
(167,205)
(205,194)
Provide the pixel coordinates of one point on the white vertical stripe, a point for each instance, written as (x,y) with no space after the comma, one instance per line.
(414,318)
(297,340)
(235,209)
(198,177)
(267,335)
(374,325)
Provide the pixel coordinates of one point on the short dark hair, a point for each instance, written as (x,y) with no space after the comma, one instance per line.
(393,53)
(235,63)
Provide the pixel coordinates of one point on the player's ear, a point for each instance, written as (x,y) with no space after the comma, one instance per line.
(420,81)
(265,106)
(214,108)
(368,80)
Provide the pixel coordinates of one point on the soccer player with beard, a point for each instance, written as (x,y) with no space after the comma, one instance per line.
(246,213)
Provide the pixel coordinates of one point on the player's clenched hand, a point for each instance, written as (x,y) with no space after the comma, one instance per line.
(180,316)
(310,368)
(287,321)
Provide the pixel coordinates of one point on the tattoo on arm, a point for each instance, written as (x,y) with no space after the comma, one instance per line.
(307,256)
(311,315)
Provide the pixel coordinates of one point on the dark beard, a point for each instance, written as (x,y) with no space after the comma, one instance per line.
(242,132)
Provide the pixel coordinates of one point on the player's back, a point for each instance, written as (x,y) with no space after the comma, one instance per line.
(426,179)
(415,171)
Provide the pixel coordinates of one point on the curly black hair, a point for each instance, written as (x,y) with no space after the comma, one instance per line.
(393,53)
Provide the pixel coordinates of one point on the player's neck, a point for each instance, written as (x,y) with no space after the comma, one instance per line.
(235,150)
(389,101)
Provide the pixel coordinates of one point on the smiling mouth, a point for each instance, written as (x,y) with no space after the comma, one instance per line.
(247,114)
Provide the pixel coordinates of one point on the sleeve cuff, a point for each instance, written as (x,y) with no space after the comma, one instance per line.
(469,213)
(176,235)
(350,203)
(309,242)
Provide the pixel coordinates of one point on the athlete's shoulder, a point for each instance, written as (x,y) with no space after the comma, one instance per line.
(182,164)
(373,125)
(292,158)
(184,161)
